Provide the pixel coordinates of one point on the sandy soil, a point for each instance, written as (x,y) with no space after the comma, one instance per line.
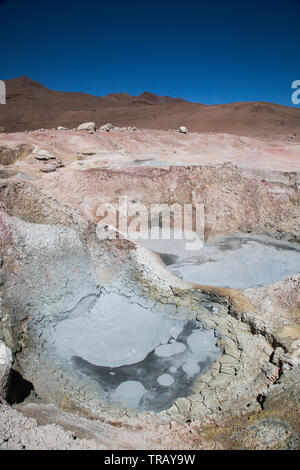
(116,149)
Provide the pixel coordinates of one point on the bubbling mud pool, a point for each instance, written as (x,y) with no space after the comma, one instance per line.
(140,357)
(237,262)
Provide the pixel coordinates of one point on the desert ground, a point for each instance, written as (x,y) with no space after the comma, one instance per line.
(30,106)
(62,285)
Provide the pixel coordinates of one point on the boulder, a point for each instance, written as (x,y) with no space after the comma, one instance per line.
(183,130)
(48,168)
(44,155)
(107,127)
(61,128)
(5,366)
(88,152)
(87,126)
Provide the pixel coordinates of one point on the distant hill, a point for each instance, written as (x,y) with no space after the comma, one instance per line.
(30,105)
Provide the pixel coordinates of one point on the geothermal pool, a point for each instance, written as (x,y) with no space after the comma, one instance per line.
(236,261)
(140,357)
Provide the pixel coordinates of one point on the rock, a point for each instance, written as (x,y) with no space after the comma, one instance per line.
(48,168)
(271,434)
(277,356)
(91,131)
(41,157)
(61,128)
(44,155)
(52,166)
(9,154)
(5,366)
(106,127)
(183,130)
(87,126)
(88,152)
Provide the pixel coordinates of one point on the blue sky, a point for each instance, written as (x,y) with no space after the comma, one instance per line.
(206,51)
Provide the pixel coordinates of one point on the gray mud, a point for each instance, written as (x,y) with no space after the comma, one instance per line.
(141,359)
(235,262)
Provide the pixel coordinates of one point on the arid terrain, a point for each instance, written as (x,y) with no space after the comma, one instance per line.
(28,100)
(58,277)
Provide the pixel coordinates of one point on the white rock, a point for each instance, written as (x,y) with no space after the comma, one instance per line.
(87,126)
(48,168)
(44,155)
(61,128)
(106,127)
(183,130)
(88,151)
(5,366)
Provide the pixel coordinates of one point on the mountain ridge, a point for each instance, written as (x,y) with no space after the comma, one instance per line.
(31,105)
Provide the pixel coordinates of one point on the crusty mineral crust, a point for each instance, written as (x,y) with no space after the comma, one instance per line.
(54,266)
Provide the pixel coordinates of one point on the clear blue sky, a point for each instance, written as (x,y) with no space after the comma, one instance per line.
(213,51)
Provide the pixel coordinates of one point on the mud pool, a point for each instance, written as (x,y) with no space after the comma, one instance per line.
(239,262)
(140,357)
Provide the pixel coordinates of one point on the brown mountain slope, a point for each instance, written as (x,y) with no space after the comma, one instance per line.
(30,106)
